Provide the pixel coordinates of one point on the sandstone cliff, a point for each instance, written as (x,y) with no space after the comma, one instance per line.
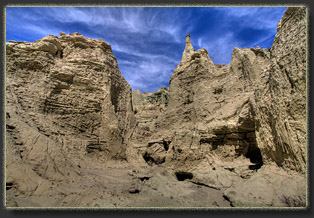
(223,123)
(66,102)
(220,135)
(256,106)
(281,100)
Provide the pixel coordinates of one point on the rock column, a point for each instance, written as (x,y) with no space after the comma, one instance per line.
(189,50)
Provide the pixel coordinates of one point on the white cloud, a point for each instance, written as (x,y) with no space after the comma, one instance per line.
(43,31)
(254,17)
(238,11)
(131,20)
(148,73)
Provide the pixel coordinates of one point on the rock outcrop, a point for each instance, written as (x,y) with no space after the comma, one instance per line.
(281,100)
(223,123)
(220,135)
(255,107)
(70,89)
(66,102)
(147,108)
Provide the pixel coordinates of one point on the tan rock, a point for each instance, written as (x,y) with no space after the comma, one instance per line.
(270,186)
(281,102)
(189,50)
(66,102)
(77,136)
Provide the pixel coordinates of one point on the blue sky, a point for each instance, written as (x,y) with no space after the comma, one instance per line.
(149,41)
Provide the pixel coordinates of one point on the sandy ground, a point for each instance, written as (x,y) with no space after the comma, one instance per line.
(121,185)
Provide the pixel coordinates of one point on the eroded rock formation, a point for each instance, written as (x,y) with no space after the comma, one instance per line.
(234,133)
(222,123)
(66,101)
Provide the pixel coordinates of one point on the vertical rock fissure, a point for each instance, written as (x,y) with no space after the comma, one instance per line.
(253,152)
(114,94)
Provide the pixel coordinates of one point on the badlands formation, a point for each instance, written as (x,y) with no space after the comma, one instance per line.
(219,136)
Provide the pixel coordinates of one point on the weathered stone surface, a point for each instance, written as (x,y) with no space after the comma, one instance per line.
(246,108)
(147,107)
(80,98)
(270,186)
(209,110)
(188,50)
(77,136)
(66,102)
(281,101)
(222,123)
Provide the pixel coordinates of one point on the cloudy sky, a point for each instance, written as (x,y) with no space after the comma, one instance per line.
(148,41)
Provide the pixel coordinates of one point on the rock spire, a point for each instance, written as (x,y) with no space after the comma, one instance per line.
(189,50)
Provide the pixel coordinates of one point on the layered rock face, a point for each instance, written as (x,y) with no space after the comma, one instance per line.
(220,135)
(281,101)
(70,88)
(223,123)
(256,106)
(66,102)
(147,108)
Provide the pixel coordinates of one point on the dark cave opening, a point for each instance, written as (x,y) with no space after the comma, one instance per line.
(134,191)
(59,54)
(253,152)
(148,159)
(181,176)
(9,185)
(243,138)
(151,160)
(255,156)
(144,178)
(166,145)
